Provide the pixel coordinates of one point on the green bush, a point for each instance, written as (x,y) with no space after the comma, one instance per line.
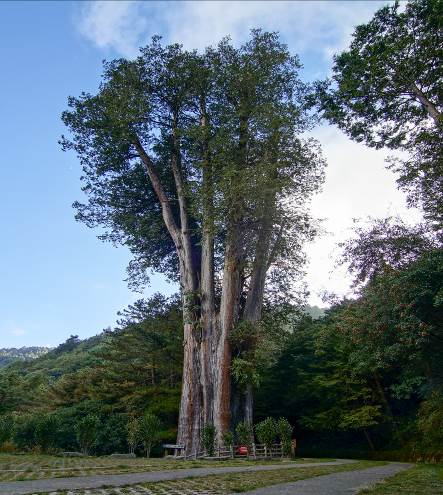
(46,432)
(430,421)
(133,434)
(284,430)
(111,435)
(150,429)
(266,432)
(244,433)
(6,426)
(228,438)
(24,432)
(86,431)
(208,438)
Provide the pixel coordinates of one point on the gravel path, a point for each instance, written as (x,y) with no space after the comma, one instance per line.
(97,481)
(345,483)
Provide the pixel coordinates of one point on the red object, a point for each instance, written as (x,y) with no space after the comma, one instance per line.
(242,450)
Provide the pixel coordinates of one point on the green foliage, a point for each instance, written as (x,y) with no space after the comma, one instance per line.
(208,438)
(24,432)
(46,432)
(86,431)
(244,433)
(430,421)
(133,434)
(6,427)
(284,429)
(150,429)
(228,438)
(267,431)
(111,435)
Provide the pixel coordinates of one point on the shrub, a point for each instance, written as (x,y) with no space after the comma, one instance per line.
(6,426)
(23,434)
(284,430)
(208,438)
(46,432)
(150,428)
(111,435)
(228,438)
(266,432)
(133,434)
(86,432)
(430,421)
(244,433)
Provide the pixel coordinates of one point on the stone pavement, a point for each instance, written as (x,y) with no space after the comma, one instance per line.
(345,483)
(115,480)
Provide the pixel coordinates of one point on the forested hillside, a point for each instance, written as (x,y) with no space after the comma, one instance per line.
(12,354)
(363,380)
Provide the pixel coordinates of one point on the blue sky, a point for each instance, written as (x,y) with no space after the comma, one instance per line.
(56,278)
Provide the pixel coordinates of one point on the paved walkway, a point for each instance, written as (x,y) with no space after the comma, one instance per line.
(345,483)
(97,481)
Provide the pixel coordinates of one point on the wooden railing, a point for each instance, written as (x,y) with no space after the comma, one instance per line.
(254,451)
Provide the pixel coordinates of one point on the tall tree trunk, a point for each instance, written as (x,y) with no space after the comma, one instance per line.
(190,416)
(254,299)
(227,320)
(192,401)
(207,293)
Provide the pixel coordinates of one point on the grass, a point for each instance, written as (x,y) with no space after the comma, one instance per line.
(222,484)
(240,482)
(33,466)
(422,479)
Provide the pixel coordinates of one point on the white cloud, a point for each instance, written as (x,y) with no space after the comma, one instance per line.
(123,26)
(18,332)
(357,185)
(115,25)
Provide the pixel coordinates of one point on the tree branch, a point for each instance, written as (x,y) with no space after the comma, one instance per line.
(167,215)
(429,106)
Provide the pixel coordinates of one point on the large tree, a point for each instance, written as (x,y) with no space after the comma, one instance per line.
(386,90)
(195,162)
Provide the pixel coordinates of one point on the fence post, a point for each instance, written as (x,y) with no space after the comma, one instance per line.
(254,451)
(231,447)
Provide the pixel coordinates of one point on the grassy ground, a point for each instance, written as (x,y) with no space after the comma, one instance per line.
(423,479)
(32,466)
(222,484)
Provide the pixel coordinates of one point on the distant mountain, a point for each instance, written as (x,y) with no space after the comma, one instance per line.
(23,354)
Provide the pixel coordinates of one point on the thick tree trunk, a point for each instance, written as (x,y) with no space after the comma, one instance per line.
(249,404)
(227,320)
(208,318)
(254,300)
(191,408)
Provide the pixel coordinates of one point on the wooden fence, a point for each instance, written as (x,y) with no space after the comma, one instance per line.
(254,451)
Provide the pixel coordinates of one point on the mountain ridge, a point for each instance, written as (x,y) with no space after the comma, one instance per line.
(10,354)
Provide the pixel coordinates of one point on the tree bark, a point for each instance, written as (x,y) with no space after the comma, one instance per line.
(207,291)
(190,416)
(227,320)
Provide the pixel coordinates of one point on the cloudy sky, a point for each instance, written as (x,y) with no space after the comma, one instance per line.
(56,278)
